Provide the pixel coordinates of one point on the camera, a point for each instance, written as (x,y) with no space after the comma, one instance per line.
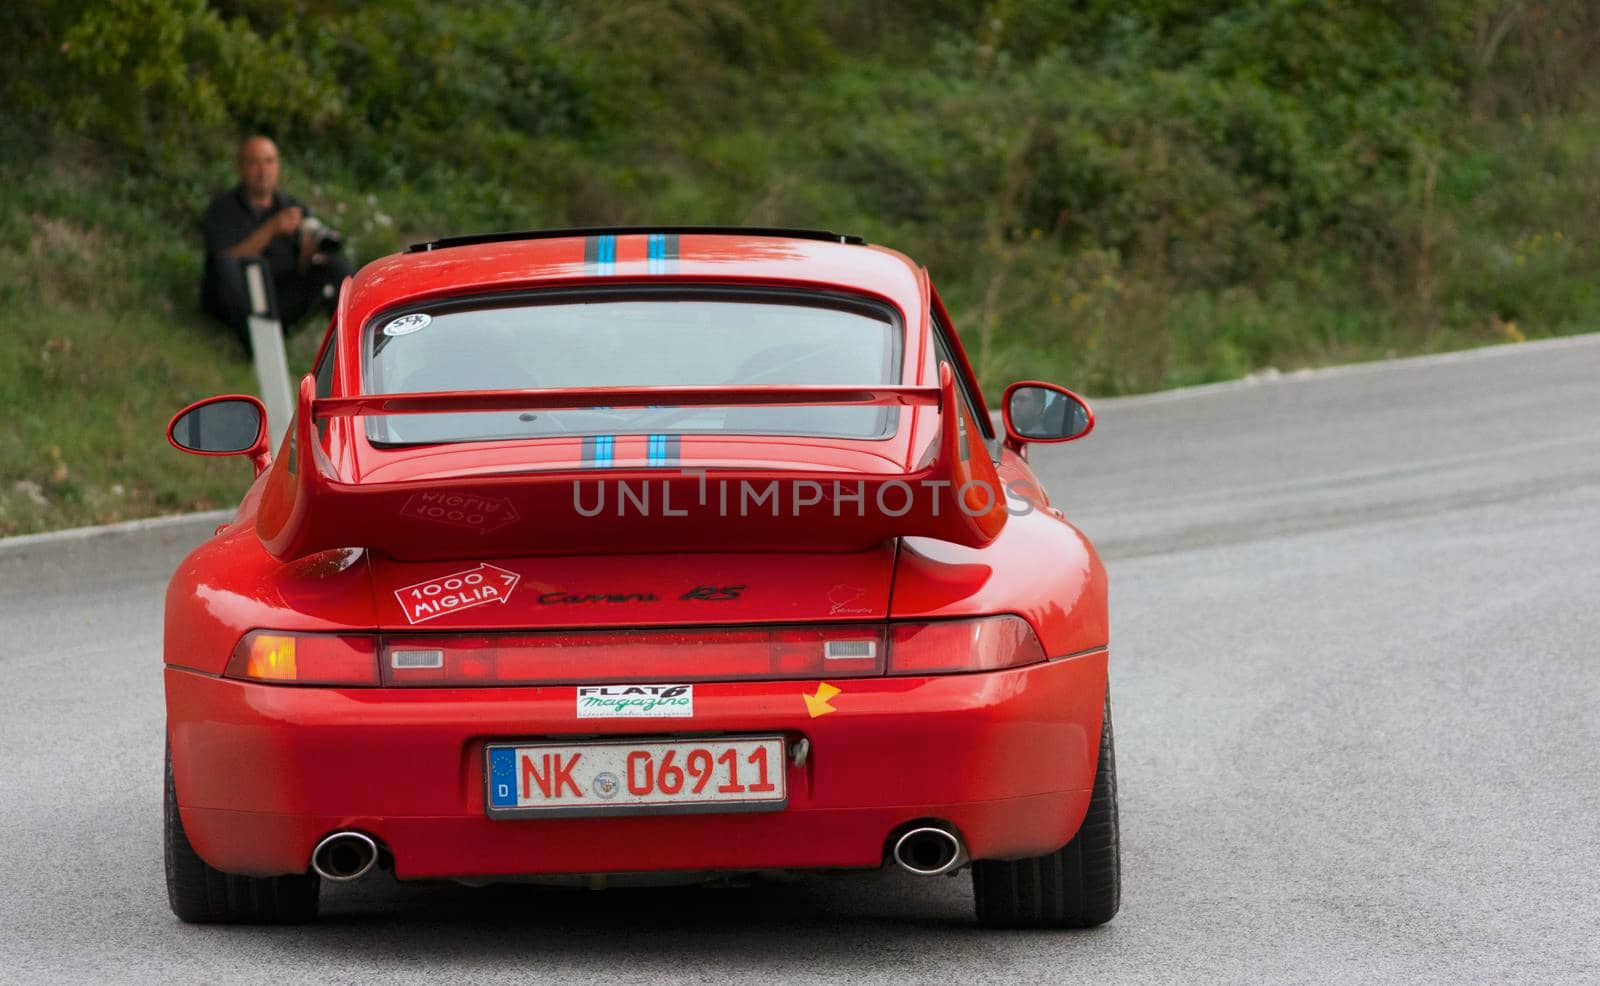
(328,239)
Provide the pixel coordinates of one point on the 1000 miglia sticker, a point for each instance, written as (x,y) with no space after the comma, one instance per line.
(455,592)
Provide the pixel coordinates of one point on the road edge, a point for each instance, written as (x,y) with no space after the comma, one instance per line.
(21,541)
(1272,377)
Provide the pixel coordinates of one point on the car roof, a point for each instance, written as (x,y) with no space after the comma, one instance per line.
(502,262)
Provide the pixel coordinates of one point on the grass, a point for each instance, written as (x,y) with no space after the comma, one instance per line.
(100,348)
(88,394)
(89,399)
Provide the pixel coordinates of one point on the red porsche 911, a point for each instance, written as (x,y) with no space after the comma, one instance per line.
(640,554)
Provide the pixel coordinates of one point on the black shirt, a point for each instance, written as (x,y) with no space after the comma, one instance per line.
(230,219)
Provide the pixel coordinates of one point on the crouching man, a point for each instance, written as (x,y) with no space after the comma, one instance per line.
(254,219)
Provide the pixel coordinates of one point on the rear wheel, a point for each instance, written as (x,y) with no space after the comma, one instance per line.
(1078,885)
(201,894)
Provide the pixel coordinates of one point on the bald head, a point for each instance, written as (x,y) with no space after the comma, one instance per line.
(258,169)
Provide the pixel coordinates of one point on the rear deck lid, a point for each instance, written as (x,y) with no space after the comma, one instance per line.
(549,592)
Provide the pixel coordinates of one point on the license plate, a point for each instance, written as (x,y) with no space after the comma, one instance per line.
(622,777)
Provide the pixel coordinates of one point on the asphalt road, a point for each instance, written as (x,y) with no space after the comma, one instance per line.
(1356,684)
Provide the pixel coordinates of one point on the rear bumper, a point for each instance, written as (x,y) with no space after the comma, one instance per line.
(263,772)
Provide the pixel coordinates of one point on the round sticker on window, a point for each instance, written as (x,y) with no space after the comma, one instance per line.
(407,324)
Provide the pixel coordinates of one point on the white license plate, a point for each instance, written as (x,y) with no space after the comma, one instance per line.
(620,777)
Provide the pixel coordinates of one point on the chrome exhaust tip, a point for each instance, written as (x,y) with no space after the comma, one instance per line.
(344,856)
(929,851)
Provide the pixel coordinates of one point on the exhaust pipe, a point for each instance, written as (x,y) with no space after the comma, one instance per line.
(344,856)
(929,850)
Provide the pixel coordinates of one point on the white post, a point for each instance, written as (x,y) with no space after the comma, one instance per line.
(266,346)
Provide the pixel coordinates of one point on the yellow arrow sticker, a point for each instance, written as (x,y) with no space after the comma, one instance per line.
(817,704)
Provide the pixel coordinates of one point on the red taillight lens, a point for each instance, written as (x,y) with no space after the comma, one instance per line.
(725,654)
(963,645)
(305,659)
(730,654)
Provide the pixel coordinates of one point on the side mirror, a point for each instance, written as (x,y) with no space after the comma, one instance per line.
(1042,412)
(234,424)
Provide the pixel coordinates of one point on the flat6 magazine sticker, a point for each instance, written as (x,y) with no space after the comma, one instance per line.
(635,701)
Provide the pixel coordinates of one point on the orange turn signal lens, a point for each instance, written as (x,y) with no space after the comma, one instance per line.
(270,658)
(306,658)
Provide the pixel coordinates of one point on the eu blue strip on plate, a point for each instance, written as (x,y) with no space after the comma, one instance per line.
(503,778)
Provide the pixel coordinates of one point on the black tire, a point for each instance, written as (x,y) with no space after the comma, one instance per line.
(200,894)
(1078,885)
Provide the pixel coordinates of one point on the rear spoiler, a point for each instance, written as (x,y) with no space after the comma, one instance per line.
(451,402)
(306,507)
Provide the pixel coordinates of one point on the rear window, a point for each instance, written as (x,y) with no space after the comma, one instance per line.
(622,340)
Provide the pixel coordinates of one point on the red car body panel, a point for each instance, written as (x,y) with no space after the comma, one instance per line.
(264,771)
(1008,757)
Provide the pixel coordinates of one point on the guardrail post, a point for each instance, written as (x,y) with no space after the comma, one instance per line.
(266,348)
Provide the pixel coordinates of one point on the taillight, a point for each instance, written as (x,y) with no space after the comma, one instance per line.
(950,646)
(598,657)
(305,658)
